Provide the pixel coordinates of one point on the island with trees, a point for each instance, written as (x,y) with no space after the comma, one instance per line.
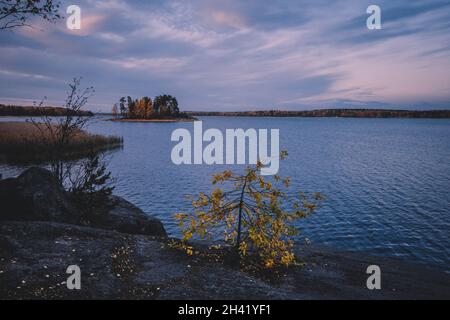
(163,108)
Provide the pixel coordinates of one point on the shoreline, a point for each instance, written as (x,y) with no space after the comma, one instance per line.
(126,254)
(152,120)
(332,113)
(147,267)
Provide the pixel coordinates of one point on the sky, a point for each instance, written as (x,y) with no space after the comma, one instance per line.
(237,54)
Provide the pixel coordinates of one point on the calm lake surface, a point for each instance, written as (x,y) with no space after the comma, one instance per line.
(387,181)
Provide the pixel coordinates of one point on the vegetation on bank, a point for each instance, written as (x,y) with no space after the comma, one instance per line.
(39,111)
(254,214)
(163,107)
(72,154)
(344,113)
(24,142)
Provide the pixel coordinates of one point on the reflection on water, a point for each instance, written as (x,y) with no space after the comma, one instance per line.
(387,181)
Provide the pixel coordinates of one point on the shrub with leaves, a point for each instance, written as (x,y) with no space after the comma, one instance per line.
(254,214)
(90,187)
(61,133)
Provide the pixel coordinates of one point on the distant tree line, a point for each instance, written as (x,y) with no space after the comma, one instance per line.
(38,111)
(344,113)
(145,107)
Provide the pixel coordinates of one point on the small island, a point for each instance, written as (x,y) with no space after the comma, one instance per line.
(163,108)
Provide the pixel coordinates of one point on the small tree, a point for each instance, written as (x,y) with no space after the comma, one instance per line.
(131,107)
(123,107)
(16,13)
(255,215)
(166,104)
(148,103)
(61,131)
(90,186)
(86,179)
(115,110)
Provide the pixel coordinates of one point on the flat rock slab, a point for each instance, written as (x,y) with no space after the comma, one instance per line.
(34,257)
(336,274)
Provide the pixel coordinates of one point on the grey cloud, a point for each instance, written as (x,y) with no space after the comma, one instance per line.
(232,53)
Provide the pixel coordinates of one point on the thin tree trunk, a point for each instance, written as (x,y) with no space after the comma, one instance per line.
(241,202)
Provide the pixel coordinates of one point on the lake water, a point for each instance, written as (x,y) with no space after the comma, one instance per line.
(387,181)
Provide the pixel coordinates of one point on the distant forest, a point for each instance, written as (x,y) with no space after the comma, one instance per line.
(344,113)
(8,110)
(167,108)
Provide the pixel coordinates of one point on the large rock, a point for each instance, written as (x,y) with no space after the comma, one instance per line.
(127,218)
(37,196)
(34,257)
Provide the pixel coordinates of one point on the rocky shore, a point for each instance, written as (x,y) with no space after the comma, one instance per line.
(126,254)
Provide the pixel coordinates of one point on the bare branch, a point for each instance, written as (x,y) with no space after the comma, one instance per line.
(17,13)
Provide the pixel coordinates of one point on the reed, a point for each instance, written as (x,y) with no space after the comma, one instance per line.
(24,142)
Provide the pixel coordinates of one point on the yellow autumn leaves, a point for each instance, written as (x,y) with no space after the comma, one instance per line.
(254,215)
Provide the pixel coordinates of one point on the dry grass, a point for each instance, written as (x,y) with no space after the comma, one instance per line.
(21,141)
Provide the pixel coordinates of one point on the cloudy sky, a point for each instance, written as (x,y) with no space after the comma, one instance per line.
(237,54)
